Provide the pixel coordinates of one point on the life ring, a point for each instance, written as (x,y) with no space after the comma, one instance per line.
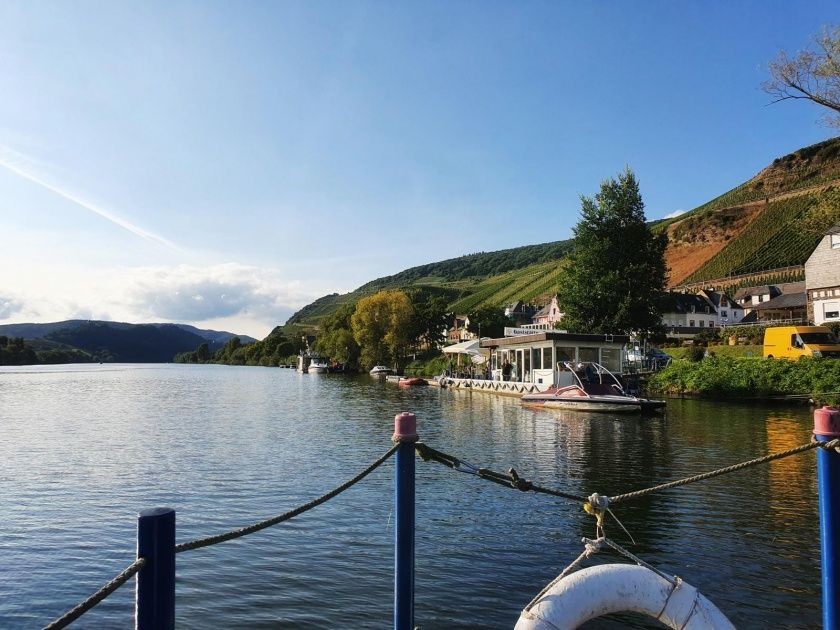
(614,588)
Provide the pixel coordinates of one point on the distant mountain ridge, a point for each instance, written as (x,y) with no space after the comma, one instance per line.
(771,221)
(121,341)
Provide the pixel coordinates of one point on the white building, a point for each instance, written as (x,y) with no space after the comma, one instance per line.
(822,279)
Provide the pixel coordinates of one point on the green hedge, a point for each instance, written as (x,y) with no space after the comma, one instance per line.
(751,378)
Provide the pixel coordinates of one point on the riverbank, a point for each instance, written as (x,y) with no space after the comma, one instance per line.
(750,379)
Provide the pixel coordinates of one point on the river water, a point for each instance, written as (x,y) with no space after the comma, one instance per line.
(85,447)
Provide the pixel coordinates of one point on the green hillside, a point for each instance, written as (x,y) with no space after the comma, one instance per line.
(771,221)
(468,281)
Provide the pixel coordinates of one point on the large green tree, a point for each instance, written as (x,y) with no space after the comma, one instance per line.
(382,326)
(430,317)
(614,280)
(489,321)
(335,339)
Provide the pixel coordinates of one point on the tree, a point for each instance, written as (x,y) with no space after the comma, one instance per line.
(489,321)
(382,327)
(335,339)
(614,280)
(812,75)
(430,318)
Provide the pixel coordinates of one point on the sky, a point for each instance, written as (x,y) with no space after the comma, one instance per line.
(223,164)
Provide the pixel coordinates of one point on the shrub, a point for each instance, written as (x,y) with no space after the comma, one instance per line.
(696,353)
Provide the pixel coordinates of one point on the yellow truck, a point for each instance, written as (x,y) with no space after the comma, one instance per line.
(794,342)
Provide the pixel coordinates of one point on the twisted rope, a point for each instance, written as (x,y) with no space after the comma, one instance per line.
(71,616)
(250,529)
(591,547)
(722,471)
(510,479)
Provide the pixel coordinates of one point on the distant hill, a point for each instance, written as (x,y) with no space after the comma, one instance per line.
(120,341)
(774,220)
(216,338)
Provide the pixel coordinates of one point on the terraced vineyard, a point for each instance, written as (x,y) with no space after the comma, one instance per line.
(759,225)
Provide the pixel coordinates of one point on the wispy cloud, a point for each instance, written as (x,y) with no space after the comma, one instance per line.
(15,166)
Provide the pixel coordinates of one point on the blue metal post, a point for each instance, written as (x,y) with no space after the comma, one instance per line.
(826,428)
(405,432)
(155,602)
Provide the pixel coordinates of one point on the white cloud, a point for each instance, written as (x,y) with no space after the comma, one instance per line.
(245,299)
(191,293)
(9,307)
(674,214)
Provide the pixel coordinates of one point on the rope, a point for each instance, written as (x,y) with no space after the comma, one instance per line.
(591,547)
(250,529)
(71,616)
(722,471)
(510,479)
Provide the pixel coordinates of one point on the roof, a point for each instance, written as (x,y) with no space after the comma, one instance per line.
(552,335)
(545,310)
(791,287)
(763,289)
(786,300)
(715,296)
(682,303)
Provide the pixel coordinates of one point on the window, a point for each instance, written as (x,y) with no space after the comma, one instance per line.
(536,358)
(691,323)
(547,361)
(723,313)
(701,323)
(835,241)
(565,353)
(611,359)
(588,354)
(711,323)
(832,314)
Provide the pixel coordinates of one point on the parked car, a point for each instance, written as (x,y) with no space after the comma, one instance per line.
(657,358)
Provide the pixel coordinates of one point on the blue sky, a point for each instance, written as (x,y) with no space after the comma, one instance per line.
(223,163)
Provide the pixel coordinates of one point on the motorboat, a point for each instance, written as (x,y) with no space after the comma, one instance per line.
(412,381)
(589,386)
(380,370)
(318,366)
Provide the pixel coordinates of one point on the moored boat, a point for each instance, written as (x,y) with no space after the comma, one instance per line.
(318,366)
(412,381)
(380,370)
(590,387)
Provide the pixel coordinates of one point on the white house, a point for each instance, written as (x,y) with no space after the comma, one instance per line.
(822,279)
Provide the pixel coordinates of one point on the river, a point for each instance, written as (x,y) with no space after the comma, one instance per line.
(85,447)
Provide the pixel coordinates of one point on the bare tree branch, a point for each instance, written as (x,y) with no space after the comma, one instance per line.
(812,75)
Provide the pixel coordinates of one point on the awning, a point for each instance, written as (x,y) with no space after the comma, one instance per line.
(470,348)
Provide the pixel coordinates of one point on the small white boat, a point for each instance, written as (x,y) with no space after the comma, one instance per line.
(590,387)
(380,370)
(318,366)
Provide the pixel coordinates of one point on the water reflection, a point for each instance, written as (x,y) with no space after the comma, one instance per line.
(233,445)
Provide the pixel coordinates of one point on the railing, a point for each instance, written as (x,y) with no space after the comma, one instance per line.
(154,566)
(768,323)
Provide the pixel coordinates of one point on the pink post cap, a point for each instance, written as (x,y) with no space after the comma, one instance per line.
(827,422)
(405,427)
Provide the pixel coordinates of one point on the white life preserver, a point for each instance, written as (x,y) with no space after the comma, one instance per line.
(614,588)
